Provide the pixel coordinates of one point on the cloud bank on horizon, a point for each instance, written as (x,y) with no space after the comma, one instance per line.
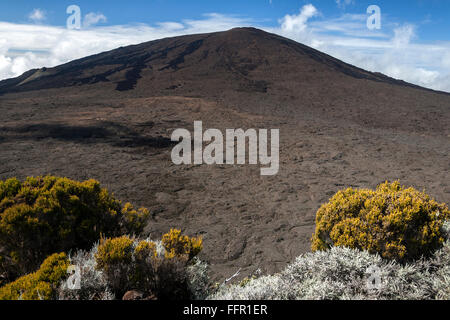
(393,50)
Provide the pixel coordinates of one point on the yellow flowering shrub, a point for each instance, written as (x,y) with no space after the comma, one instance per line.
(177,244)
(394,221)
(130,264)
(144,250)
(114,251)
(134,220)
(40,285)
(43,215)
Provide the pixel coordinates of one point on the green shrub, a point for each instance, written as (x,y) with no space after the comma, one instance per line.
(44,215)
(396,222)
(130,264)
(40,285)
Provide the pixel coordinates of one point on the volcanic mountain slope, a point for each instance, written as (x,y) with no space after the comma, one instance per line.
(110,117)
(238,60)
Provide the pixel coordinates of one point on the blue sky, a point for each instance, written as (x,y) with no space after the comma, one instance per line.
(432,15)
(413,43)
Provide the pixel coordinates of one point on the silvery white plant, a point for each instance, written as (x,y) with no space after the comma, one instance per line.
(198,279)
(342,273)
(93,284)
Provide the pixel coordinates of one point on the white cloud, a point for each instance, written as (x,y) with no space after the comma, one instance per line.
(394,50)
(351,25)
(91,19)
(172,26)
(403,35)
(446,60)
(37,15)
(298,22)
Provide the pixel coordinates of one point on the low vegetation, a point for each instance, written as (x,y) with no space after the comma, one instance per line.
(40,285)
(394,221)
(45,215)
(130,264)
(153,268)
(388,243)
(350,274)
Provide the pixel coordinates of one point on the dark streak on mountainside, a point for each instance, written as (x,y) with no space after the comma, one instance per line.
(191,48)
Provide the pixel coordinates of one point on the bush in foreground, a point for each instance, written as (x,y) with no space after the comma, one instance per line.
(93,283)
(396,222)
(350,274)
(118,265)
(44,215)
(40,285)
